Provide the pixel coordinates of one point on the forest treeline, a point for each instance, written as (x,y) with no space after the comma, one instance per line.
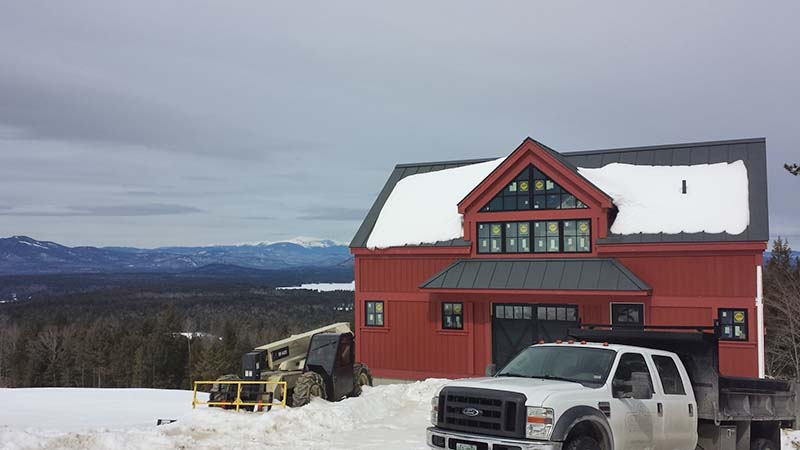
(130,336)
(782,312)
(133,338)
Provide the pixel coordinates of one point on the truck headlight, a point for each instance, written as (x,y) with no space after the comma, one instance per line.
(540,423)
(435,410)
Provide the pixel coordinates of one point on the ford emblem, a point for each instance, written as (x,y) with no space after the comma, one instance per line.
(470,412)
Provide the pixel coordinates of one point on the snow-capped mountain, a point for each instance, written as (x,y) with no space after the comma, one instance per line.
(25,255)
(308,242)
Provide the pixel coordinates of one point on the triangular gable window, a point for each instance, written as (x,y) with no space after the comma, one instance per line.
(532,189)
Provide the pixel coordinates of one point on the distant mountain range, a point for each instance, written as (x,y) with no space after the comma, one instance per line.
(25,255)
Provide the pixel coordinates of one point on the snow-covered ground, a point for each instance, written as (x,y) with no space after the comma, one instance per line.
(325,287)
(391,417)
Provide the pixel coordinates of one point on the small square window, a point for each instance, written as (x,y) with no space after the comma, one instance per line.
(733,324)
(511,229)
(572,313)
(453,316)
(512,245)
(584,244)
(570,243)
(374,313)
(553,201)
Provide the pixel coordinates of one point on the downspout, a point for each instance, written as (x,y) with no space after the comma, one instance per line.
(760,320)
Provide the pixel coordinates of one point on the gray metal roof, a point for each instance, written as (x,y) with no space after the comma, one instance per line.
(581,274)
(401,171)
(751,151)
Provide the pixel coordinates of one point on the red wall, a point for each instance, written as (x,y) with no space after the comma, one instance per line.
(686,289)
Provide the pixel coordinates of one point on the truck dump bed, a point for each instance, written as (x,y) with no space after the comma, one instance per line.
(719,398)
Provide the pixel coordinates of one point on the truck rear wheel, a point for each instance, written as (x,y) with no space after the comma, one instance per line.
(309,385)
(361,377)
(582,443)
(763,444)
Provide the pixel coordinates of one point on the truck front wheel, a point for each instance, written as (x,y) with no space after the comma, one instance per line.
(763,444)
(582,443)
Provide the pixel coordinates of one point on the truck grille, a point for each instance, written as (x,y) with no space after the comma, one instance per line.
(482,411)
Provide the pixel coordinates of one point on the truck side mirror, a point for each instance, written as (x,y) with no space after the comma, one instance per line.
(640,386)
(491,370)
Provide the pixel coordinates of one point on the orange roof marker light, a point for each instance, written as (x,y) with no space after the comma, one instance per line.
(571,341)
(558,341)
(605,344)
(583,342)
(541,341)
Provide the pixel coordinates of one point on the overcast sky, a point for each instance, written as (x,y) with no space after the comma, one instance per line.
(152,122)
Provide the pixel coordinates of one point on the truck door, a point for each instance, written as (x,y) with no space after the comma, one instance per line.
(343,367)
(634,421)
(679,407)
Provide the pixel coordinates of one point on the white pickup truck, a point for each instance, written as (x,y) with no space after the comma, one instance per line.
(599,392)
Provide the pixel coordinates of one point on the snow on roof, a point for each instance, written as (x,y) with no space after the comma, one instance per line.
(423,208)
(650,198)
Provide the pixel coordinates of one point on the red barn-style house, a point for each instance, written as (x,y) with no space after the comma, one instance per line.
(460,264)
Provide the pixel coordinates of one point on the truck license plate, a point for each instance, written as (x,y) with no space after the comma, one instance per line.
(460,446)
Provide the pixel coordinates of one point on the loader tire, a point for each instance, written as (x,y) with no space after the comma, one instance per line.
(309,385)
(223,392)
(361,377)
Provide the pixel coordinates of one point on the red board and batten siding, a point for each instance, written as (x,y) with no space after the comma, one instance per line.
(687,289)
(691,284)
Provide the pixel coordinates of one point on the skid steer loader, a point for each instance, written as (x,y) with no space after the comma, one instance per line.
(318,363)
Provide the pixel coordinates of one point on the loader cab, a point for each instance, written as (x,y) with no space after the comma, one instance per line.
(332,355)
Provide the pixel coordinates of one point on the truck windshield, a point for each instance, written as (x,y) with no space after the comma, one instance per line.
(583,365)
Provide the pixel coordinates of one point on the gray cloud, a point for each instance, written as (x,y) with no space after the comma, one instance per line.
(228,108)
(266,218)
(153,209)
(334,213)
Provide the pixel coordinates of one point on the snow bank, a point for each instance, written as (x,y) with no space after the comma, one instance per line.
(650,198)
(325,287)
(423,208)
(392,417)
(790,440)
